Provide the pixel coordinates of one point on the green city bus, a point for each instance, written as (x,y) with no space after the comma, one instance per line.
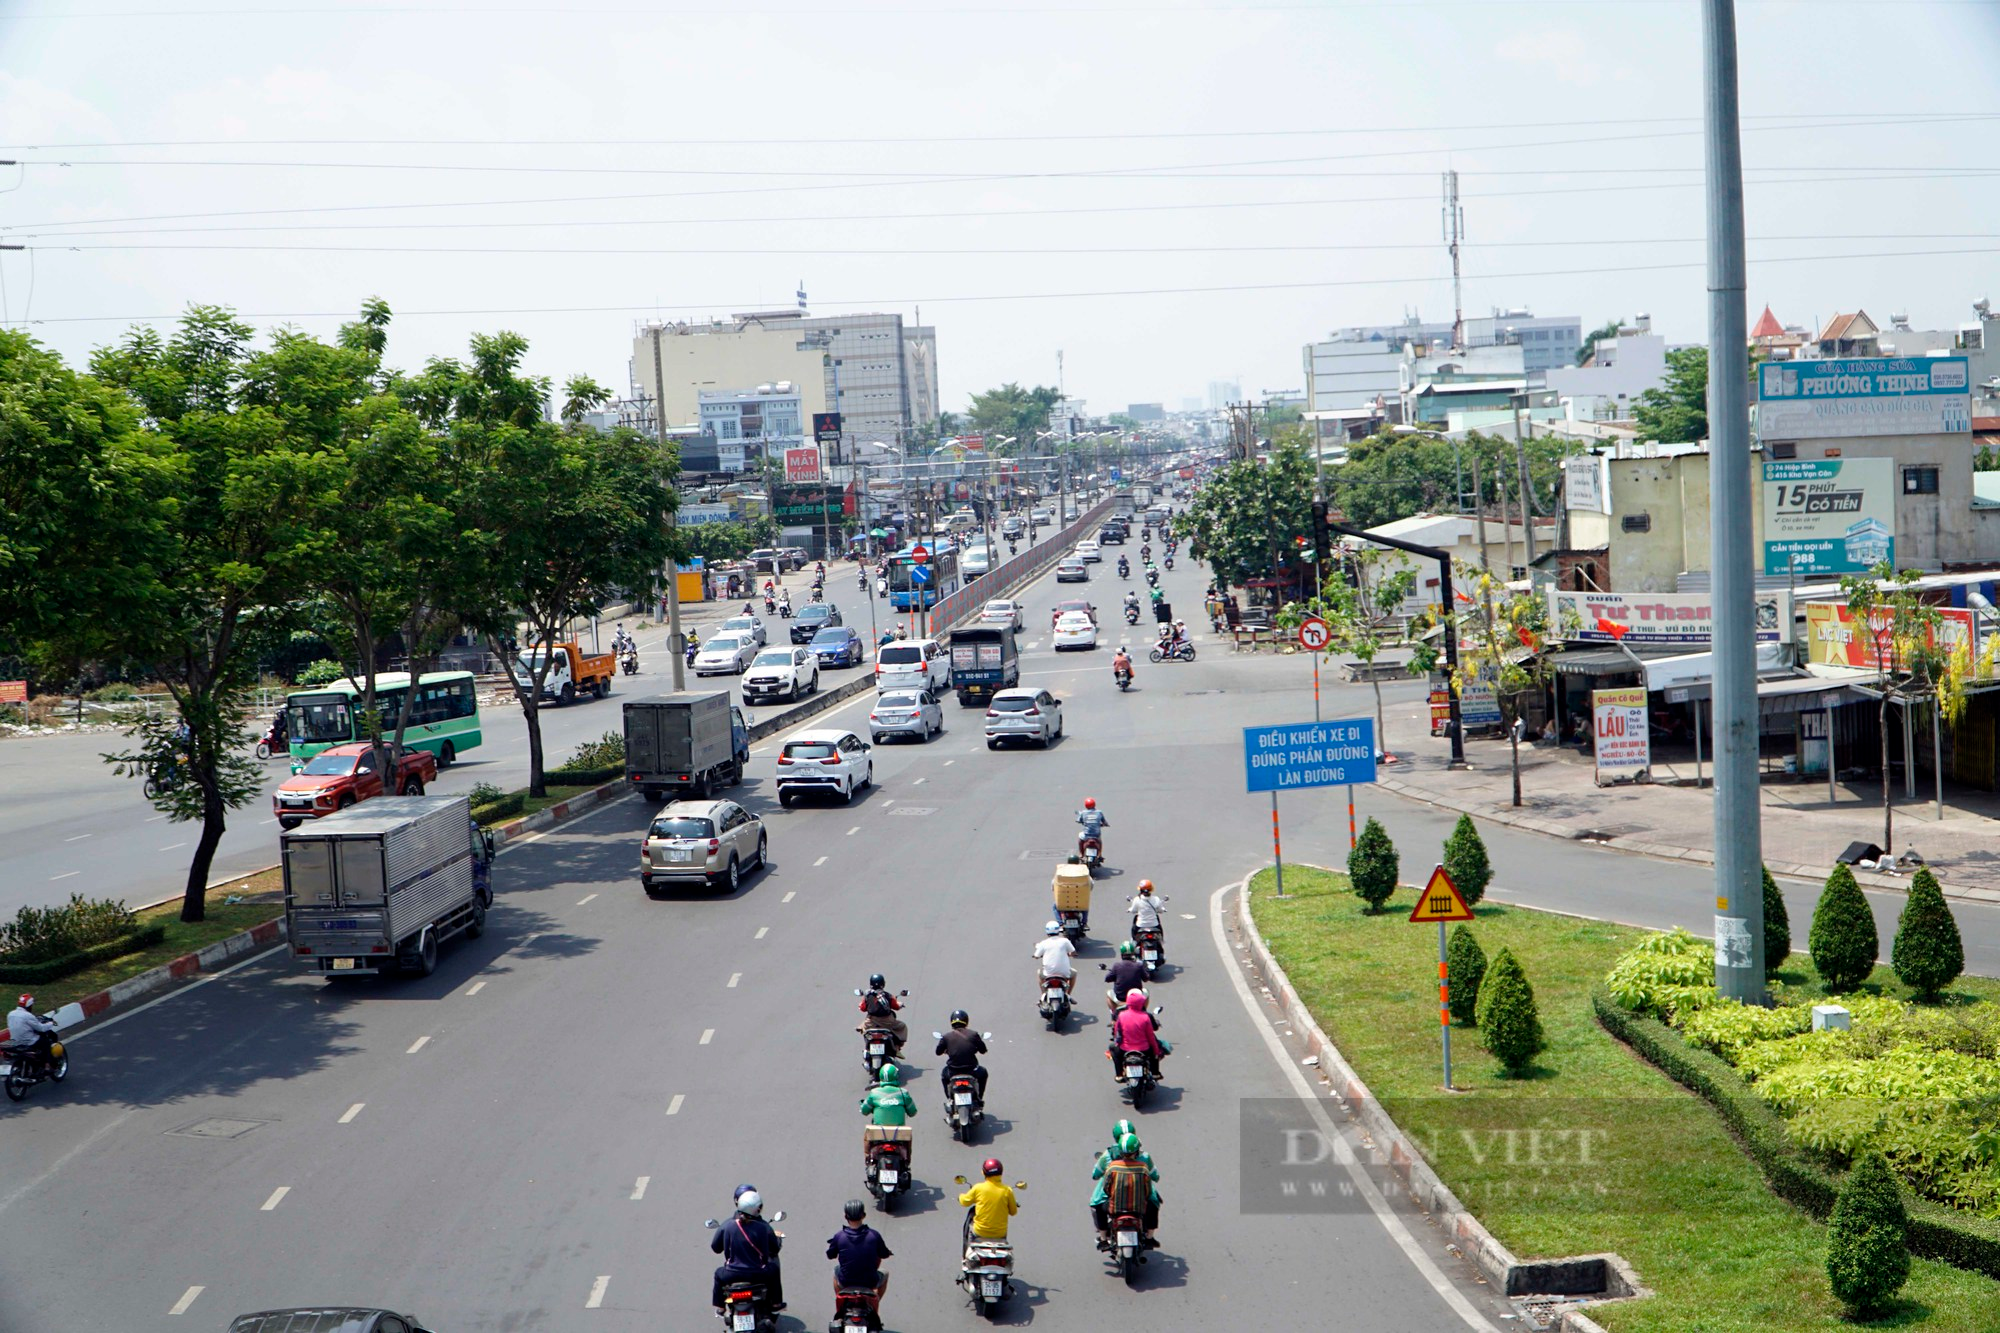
(444,719)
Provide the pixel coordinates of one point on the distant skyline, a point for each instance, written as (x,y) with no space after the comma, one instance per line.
(1172,195)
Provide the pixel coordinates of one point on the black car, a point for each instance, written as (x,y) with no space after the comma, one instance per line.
(325,1319)
(812,618)
(1111,534)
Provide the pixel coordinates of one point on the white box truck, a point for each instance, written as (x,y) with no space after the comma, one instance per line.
(377,887)
(688,742)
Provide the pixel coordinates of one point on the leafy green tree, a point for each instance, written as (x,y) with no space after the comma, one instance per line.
(1465,967)
(581,396)
(1013,410)
(1361,604)
(1509,1024)
(1927,953)
(1777,927)
(1373,866)
(1901,629)
(1842,941)
(1250,514)
(1677,411)
(1465,860)
(1867,1237)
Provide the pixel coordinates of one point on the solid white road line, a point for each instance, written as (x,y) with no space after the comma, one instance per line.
(1363,1183)
(792,893)
(734,977)
(585,899)
(597,1291)
(277,1197)
(187,1299)
(352,1111)
(417,1045)
(817,864)
(479,986)
(674,1106)
(639,1189)
(762,931)
(707,1036)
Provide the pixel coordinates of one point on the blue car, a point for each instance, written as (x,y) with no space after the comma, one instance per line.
(837,645)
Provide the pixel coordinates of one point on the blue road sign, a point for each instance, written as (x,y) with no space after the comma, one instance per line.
(920,575)
(1117,474)
(1309,754)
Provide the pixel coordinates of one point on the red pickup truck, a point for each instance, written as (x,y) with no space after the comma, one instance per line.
(336,778)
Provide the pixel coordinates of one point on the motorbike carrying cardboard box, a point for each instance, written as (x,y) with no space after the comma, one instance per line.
(1072,886)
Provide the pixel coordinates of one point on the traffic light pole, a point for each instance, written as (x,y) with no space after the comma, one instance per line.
(1450,626)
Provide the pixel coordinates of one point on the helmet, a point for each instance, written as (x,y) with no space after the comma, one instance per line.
(27,1001)
(876,982)
(990,1167)
(1145,887)
(1120,1130)
(1052,928)
(750,1203)
(1135,999)
(959,1018)
(1128,1145)
(1090,802)
(855,1210)
(742,1190)
(890,1076)
(1126,949)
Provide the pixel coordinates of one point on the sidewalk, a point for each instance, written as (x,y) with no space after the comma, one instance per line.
(1802,832)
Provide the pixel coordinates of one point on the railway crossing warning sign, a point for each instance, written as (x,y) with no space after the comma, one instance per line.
(1440,901)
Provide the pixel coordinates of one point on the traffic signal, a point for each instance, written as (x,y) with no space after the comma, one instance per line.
(1322,539)
(1304,554)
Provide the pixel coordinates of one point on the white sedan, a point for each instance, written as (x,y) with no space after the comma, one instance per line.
(1001,611)
(744,625)
(1090,551)
(725,655)
(1074,630)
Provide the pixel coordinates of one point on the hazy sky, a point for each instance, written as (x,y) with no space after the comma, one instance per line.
(1169,194)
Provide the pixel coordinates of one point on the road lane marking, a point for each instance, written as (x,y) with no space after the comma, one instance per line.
(352,1111)
(173,846)
(417,1045)
(817,864)
(949,762)
(639,1189)
(707,1036)
(277,1197)
(762,931)
(792,893)
(674,1106)
(67,873)
(78,838)
(597,1291)
(187,1299)
(479,986)
(850,833)
(919,782)
(586,898)
(530,938)
(890,801)
(157,818)
(734,977)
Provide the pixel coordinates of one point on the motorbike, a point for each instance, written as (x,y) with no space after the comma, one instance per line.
(1169,561)
(273,741)
(1124,568)
(1152,577)
(1183,651)
(1134,1070)
(881,587)
(746,1302)
(1131,613)
(855,1311)
(21,1068)
(770,605)
(1013,548)
(785,610)
(878,1046)
(1090,850)
(689,650)
(889,1170)
(1123,675)
(1152,946)
(165,778)
(1054,1003)
(988,1265)
(963,1109)
(1126,1243)
(631,661)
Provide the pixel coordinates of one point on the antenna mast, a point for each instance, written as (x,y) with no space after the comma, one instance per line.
(1454,232)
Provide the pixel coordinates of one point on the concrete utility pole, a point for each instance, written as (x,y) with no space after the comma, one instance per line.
(1479,514)
(1739,887)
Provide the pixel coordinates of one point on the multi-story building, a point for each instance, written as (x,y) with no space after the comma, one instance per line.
(1546,341)
(1221,393)
(765,420)
(1615,370)
(1359,366)
(857,365)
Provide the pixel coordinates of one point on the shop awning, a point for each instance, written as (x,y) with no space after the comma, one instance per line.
(1796,694)
(1604,662)
(1695,672)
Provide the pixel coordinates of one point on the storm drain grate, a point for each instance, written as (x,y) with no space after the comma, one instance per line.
(216,1129)
(1608,832)
(1543,1311)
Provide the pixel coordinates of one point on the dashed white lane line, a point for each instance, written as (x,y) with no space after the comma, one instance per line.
(949,762)
(817,864)
(791,893)
(475,988)
(154,820)
(172,846)
(890,801)
(850,833)
(919,782)
(272,820)
(530,938)
(585,899)
(734,977)
(65,875)
(639,1188)
(674,1106)
(187,1298)
(277,1197)
(762,931)
(597,1291)
(417,1045)
(707,1036)
(352,1111)
(79,837)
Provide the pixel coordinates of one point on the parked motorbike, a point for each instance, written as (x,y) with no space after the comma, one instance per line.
(1054,1003)
(878,1046)
(1179,652)
(21,1067)
(631,661)
(746,1302)
(988,1265)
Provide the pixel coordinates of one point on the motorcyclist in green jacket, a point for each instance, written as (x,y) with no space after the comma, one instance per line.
(887,1105)
(1125,1152)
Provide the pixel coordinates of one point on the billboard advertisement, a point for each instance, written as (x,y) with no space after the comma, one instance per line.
(1586,483)
(1873,395)
(1834,637)
(1658,619)
(1619,734)
(826,428)
(695,516)
(802,464)
(1829,515)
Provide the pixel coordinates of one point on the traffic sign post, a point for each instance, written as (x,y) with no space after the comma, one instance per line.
(1442,902)
(1306,754)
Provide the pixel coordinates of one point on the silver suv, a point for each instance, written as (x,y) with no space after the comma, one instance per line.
(701,842)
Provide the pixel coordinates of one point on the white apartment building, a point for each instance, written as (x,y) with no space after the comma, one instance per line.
(765,419)
(1615,371)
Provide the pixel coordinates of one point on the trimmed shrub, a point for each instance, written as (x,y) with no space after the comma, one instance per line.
(494,811)
(484,793)
(1465,860)
(569,776)
(55,969)
(1777,927)
(323,672)
(1867,1247)
(607,751)
(117,692)
(1665,974)
(1843,942)
(1509,1025)
(1465,965)
(42,934)
(1372,865)
(1928,954)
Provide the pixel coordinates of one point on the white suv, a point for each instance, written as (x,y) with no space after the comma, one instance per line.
(826,760)
(790,673)
(913,664)
(701,842)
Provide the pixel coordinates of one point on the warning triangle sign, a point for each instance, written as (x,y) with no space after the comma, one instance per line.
(1440,901)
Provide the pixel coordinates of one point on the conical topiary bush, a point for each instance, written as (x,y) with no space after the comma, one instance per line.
(1867,1250)
(1928,954)
(1777,927)
(1465,965)
(1372,865)
(1465,860)
(1843,942)
(1509,1025)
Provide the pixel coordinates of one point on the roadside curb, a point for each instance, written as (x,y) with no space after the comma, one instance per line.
(210,958)
(1495,1262)
(1867,879)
